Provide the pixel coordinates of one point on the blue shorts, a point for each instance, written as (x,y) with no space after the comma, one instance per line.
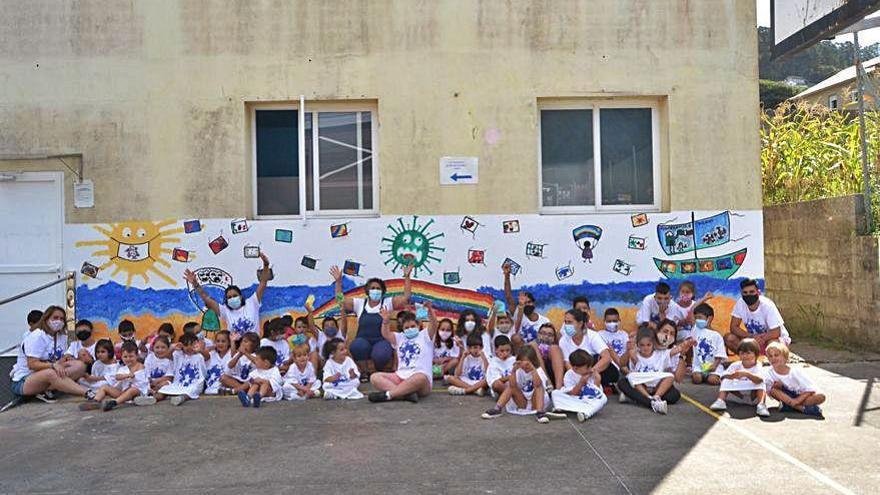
(18,386)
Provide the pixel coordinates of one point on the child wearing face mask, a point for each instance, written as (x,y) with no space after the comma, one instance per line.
(301,382)
(581,391)
(686,302)
(613,335)
(469,322)
(527,391)
(331,328)
(470,373)
(127,333)
(446,353)
(83,348)
(500,323)
(664,340)
(275,339)
(547,338)
(341,375)
(708,347)
(218,362)
(647,381)
(500,366)
(527,321)
(743,381)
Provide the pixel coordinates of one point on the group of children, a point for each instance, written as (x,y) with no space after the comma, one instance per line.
(518,357)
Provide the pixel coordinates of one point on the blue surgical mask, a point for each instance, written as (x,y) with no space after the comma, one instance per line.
(411,332)
(331,332)
(569,329)
(701,324)
(375,294)
(299,339)
(234,302)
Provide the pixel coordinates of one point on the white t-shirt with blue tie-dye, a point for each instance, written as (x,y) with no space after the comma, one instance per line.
(282,349)
(244,319)
(189,375)
(528,329)
(242,369)
(415,355)
(472,369)
(709,345)
(158,367)
(499,369)
(526,384)
(763,319)
(40,345)
(303,378)
(217,365)
(616,340)
(590,391)
(649,311)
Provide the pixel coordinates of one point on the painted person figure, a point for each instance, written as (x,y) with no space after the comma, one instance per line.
(587,252)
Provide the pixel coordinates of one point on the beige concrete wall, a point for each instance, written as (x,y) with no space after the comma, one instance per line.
(823,276)
(154,94)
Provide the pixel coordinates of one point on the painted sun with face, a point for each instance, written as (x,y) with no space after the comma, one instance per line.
(135,248)
(411,244)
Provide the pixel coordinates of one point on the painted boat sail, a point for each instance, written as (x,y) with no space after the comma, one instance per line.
(722,267)
(703,233)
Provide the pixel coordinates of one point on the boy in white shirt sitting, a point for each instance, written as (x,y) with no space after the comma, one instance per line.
(708,349)
(790,386)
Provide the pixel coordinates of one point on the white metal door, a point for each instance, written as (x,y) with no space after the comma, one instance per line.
(32,210)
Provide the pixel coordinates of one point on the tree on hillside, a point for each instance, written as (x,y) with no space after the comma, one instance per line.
(813,64)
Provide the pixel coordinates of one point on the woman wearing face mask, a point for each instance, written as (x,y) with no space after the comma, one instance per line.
(42,365)
(240,315)
(576,335)
(468,323)
(369,345)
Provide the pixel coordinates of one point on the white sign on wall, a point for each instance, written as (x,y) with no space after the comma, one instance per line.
(456,170)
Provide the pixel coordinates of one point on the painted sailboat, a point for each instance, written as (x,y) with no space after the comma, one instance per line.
(691,237)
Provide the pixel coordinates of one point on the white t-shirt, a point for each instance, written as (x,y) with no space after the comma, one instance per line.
(244,319)
(20,351)
(216,366)
(657,362)
(616,340)
(526,383)
(282,349)
(590,391)
(684,329)
(414,355)
(344,369)
(103,370)
(358,304)
(528,329)
(592,343)
(495,334)
(76,346)
(796,380)
(273,376)
(304,377)
(757,370)
(158,367)
(762,320)
(40,345)
(709,345)
(441,351)
(242,369)
(140,380)
(472,369)
(649,311)
(322,339)
(499,369)
(189,369)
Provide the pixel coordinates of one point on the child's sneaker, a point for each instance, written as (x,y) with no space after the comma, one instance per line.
(329,395)
(378,397)
(480,392)
(453,390)
(413,397)
(622,398)
(144,400)
(555,414)
(582,417)
(177,400)
(813,411)
(659,406)
(48,397)
(244,399)
(718,405)
(108,404)
(257,400)
(90,394)
(491,413)
(542,418)
(317,393)
(761,410)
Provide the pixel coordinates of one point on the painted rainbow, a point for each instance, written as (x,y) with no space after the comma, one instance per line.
(586,232)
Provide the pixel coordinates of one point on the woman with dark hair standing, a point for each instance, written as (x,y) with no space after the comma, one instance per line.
(369,345)
(42,365)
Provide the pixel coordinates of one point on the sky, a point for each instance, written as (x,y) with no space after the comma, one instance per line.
(865,37)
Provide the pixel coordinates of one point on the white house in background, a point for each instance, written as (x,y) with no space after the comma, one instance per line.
(795,81)
(838,92)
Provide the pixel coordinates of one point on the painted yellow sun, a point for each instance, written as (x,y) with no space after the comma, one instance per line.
(135,248)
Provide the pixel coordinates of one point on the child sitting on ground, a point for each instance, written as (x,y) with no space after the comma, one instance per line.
(470,373)
(105,364)
(129,382)
(527,390)
(341,375)
(300,382)
(790,386)
(581,391)
(238,369)
(743,381)
(158,366)
(446,353)
(647,381)
(127,333)
(498,374)
(275,339)
(299,334)
(83,348)
(266,383)
(613,335)
(189,373)
(708,347)
(218,361)
(547,338)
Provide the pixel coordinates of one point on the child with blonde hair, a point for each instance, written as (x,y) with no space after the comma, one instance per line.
(790,386)
(301,382)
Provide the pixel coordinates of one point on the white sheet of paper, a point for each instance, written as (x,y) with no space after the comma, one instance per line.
(84,194)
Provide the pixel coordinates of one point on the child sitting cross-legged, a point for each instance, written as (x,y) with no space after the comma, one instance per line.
(128,382)
(790,386)
(527,390)
(300,382)
(341,375)
(470,373)
(743,381)
(581,391)
(500,366)
(266,383)
(647,381)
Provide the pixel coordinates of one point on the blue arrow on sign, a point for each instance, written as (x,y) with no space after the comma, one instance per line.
(455,177)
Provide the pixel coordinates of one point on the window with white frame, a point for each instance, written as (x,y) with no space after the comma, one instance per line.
(599,156)
(833,102)
(339,174)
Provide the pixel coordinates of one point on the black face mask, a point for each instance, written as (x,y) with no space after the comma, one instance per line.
(529,309)
(750,299)
(83,334)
